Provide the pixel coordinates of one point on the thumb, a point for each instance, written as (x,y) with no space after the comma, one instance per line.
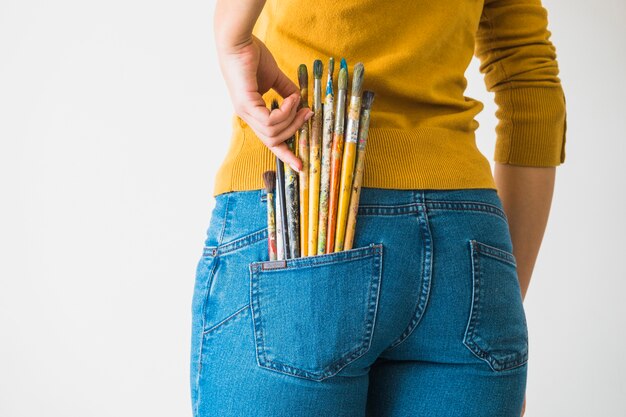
(284,86)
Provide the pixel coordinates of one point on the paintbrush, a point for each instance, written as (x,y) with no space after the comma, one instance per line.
(281,206)
(291,201)
(269,178)
(364,124)
(327,142)
(314,157)
(280,247)
(349,156)
(303,154)
(337,154)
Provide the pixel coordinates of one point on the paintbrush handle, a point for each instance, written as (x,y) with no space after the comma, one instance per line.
(271,227)
(280,248)
(282,206)
(293,210)
(333,200)
(354,202)
(347,170)
(335,169)
(314,167)
(327,142)
(358,179)
(303,186)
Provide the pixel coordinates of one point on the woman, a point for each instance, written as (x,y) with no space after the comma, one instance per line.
(424,316)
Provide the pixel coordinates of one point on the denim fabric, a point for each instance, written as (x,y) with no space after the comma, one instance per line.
(423,317)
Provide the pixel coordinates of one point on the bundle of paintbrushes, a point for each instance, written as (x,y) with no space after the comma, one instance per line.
(314,212)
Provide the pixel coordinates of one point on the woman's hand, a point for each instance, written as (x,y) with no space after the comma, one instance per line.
(523,406)
(250,70)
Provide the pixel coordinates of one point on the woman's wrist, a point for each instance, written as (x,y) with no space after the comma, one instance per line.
(234,22)
(526,194)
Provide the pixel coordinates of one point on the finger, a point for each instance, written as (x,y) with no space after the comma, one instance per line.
(277,118)
(284,86)
(283,152)
(271,129)
(301,117)
(283,116)
(252,105)
(286,111)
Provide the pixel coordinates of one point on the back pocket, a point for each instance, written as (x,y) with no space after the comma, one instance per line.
(315,315)
(497,331)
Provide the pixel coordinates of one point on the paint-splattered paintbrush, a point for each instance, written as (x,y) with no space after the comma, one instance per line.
(269,178)
(349,156)
(291,201)
(281,205)
(337,155)
(327,142)
(314,157)
(280,247)
(303,154)
(364,124)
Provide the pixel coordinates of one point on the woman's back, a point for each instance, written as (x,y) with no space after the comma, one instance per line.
(415,56)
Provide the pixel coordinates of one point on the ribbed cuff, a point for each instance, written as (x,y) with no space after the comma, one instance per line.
(532,124)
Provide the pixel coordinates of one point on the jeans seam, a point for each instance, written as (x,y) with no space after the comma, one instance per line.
(386,209)
(201,344)
(226,207)
(213,252)
(425,274)
(494,252)
(242,242)
(467,206)
(227,319)
(474,318)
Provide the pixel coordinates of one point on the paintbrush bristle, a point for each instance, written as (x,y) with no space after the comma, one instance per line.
(329,82)
(368,98)
(357,79)
(275,104)
(344,64)
(318,68)
(269,178)
(303,76)
(343,79)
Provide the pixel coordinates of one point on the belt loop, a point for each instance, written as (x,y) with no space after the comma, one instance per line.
(419,197)
(225,218)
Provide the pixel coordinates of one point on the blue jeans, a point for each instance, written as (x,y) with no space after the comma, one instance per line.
(423,317)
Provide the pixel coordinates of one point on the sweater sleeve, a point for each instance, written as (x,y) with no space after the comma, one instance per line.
(519,65)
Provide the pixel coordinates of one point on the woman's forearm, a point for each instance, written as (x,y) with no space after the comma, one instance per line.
(526,194)
(234,21)
(249,71)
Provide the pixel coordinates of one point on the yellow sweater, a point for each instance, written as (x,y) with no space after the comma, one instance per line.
(415,55)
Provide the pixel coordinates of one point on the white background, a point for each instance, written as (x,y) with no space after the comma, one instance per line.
(113,122)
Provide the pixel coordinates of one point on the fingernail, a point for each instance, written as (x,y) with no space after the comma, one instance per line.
(308,116)
(295,168)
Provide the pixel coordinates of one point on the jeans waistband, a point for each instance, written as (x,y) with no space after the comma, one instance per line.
(237,213)
(392,197)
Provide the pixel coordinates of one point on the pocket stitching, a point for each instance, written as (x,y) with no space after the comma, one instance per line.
(212,255)
(498,365)
(494,252)
(373,301)
(320,260)
(475,206)
(241,242)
